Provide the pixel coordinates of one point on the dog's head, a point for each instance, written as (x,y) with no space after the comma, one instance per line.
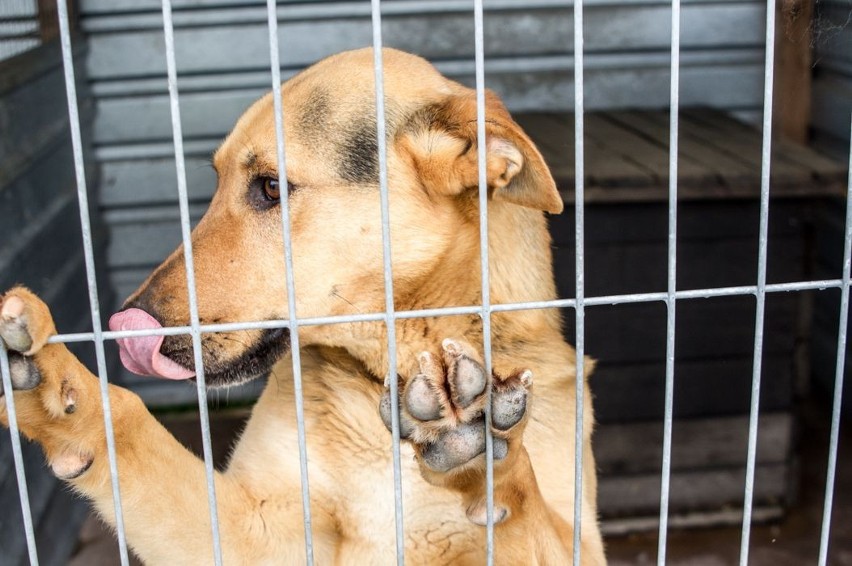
(336,225)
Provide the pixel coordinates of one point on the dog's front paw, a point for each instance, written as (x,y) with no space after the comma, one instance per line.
(25,326)
(442,413)
(25,321)
(50,384)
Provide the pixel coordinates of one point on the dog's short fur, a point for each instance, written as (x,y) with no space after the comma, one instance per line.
(333,195)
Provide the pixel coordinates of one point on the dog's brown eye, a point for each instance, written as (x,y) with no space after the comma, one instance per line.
(271,188)
(265,192)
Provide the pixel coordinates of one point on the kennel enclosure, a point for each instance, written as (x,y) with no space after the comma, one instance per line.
(528,60)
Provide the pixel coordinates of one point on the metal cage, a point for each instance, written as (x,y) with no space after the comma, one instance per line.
(579,303)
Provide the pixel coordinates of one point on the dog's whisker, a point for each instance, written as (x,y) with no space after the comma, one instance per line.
(334,293)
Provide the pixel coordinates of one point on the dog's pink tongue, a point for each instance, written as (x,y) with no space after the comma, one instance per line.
(141,355)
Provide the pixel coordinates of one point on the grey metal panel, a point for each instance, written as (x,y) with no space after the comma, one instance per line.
(832,88)
(146,236)
(152,181)
(19,29)
(209,49)
(640,82)
(90,7)
(29,118)
(41,248)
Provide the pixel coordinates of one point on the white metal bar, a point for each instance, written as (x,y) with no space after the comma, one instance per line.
(635,298)
(580,276)
(485,313)
(291,285)
(195,332)
(838,376)
(91,277)
(18,457)
(672,286)
(766,157)
(390,318)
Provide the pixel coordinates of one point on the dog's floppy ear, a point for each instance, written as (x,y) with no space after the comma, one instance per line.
(441,139)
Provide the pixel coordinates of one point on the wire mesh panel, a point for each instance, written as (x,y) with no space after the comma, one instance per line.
(485,309)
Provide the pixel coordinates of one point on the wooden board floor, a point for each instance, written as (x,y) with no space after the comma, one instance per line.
(719,157)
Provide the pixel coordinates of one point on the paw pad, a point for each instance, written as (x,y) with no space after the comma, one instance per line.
(23,371)
(69,465)
(477,513)
(442,408)
(13,326)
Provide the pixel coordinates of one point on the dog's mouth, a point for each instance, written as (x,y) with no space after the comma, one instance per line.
(229,358)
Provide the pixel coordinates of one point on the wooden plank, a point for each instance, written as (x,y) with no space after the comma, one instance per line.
(746,144)
(632,224)
(650,153)
(734,174)
(554,137)
(48,20)
(640,268)
(691,491)
(711,387)
(607,168)
(770,512)
(711,329)
(604,167)
(793,68)
(716,442)
(820,167)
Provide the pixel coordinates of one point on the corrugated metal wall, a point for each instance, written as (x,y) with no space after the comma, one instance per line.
(832,87)
(19,29)
(42,247)
(223,65)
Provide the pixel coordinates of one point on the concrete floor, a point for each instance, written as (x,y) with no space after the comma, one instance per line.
(793,541)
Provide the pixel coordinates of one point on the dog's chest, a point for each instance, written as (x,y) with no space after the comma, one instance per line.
(350,465)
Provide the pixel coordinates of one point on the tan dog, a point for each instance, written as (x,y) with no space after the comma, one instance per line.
(335,209)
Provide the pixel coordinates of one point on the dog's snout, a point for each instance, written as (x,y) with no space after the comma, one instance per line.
(163,295)
(147,302)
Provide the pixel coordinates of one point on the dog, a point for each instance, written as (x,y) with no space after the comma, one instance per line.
(332,191)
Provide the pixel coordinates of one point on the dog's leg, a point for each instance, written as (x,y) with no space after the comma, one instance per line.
(442,415)
(162,484)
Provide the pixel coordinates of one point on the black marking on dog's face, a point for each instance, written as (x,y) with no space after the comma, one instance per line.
(315,114)
(250,161)
(358,153)
(255,361)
